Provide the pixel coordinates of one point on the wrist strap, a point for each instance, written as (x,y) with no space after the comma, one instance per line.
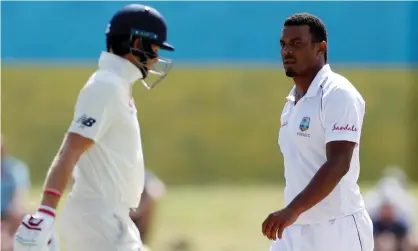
(53,192)
(47,210)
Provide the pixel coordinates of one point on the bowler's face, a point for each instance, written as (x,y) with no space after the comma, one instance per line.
(298,51)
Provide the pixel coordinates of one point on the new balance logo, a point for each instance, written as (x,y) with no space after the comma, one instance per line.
(86,121)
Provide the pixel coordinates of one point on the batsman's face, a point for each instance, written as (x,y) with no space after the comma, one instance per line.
(151,62)
(298,51)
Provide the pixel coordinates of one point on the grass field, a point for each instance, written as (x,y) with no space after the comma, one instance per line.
(205,123)
(205,126)
(221,218)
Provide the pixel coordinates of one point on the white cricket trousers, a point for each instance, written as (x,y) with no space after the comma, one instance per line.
(85,225)
(349,233)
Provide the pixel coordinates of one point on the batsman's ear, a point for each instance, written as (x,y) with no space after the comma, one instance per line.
(136,43)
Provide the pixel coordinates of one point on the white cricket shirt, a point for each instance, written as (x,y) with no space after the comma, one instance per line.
(112,170)
(331,110)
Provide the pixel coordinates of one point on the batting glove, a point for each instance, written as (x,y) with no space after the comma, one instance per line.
(35,231)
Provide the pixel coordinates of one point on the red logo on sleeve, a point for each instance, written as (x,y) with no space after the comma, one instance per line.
(347,127)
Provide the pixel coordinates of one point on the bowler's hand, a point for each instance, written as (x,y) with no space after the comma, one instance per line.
(277,221)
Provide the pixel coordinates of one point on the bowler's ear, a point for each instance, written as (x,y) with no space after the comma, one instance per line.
(323,47)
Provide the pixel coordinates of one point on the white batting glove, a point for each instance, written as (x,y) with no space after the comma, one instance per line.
(35,231)
(54,244)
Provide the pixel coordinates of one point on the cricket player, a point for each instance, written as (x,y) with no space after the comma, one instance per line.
(143,216)
(104,143)
(319,137)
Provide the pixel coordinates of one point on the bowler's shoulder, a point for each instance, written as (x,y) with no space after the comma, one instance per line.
(339,89)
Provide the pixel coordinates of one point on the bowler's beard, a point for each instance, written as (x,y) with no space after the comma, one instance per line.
(291,73)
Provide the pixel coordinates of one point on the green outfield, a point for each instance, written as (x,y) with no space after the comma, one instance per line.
(205,125)
(222,218)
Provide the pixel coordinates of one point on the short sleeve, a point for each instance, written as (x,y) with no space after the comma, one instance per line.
(94,113)
(343,116)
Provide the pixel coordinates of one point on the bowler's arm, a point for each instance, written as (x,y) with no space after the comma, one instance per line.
(339,155)
(343,118)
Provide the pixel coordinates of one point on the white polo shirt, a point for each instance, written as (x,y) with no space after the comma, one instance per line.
(331,110)
(112,170)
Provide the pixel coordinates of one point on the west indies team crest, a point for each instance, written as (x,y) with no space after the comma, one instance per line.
(304,124)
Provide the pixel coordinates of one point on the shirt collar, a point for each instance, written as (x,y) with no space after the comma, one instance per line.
(315,85)
(120,66)
(317,82)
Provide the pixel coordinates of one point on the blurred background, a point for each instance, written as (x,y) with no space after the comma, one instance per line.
(210,129)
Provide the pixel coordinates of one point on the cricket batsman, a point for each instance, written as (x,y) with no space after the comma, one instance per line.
(103,143)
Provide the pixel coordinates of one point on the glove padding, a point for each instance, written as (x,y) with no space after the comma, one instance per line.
(35,231)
